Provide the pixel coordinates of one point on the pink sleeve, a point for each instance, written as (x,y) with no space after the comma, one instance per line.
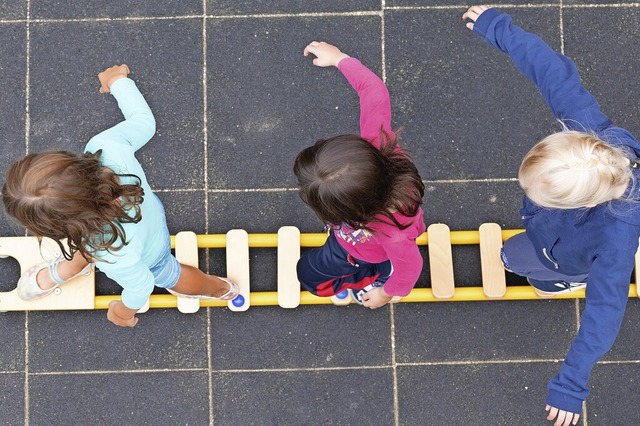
(407,262)
(375,106)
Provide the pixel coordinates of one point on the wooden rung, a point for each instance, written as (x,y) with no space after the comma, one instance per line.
(494,281)
(78,293)
(238,265)
(440,261)
(187,254)
(288,256)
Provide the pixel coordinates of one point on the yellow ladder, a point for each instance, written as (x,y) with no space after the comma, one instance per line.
(79,293)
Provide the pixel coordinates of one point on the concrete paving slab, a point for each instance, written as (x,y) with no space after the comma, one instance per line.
(614,395)
(308,337)
(177,398)
(12,103)
(13,9)
(12,399)
(230,7)
(78,9)
(290,103)
(163,339)
(457,332)
(12,342)
(166,62)
(500,394)
(347,397)
(465,99)
(597,41)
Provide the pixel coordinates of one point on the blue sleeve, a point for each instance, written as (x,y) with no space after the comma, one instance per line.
(606,298)
(554,74)
(126,268)
(138,126)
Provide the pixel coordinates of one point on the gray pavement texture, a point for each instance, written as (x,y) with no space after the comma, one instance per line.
(235,101)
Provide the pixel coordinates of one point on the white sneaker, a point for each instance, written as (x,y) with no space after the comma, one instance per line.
(562,288)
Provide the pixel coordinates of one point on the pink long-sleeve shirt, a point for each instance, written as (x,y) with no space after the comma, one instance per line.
(387,241)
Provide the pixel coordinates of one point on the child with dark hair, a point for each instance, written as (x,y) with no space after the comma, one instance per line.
(581,207)
(368,193)
(102,204)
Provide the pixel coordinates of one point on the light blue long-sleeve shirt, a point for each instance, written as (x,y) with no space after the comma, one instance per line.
(129,266)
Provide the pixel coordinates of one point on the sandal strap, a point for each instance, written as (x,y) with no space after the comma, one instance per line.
(52,268)
(232,288)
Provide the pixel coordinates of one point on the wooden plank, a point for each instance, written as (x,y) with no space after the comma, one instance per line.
(288,256)
(494,281)
(441,261)
(187,254)
(238,267)
(76,294)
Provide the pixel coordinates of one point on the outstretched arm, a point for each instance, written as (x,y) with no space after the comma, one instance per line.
(139,125)
(375,106)
(555,75)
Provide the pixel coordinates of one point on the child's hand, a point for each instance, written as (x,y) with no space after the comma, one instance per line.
(473,13)
(376,298)
(108,76)
(120,315)
(564,418)
(327,55)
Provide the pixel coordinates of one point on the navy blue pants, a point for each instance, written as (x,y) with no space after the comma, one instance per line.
(328,270)
(519,256)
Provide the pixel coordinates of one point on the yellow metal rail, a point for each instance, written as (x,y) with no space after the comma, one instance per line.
(417,295)
(318,239)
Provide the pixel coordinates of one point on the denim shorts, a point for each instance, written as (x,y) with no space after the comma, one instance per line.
(166,270)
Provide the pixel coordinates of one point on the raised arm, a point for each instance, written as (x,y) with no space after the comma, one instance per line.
(375,106)
(555,75)
(139,125)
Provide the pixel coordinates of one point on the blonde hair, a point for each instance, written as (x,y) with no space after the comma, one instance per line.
(568,170)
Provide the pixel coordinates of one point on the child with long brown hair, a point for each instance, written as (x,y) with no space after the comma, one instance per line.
(368,193)
(102,204)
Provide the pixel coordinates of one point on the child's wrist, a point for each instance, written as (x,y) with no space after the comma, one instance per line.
(341,57)
(124,312)
(114,79)
(384,293)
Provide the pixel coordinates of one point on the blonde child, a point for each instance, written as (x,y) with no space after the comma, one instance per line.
(101,202)
(581,207)
(368,193)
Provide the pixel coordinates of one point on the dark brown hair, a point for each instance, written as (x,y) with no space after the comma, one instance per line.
(62,195)
(345,179)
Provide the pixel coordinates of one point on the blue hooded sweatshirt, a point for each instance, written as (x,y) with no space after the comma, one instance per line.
(599,241)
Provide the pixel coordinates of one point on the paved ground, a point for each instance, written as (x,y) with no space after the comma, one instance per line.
(235,100)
